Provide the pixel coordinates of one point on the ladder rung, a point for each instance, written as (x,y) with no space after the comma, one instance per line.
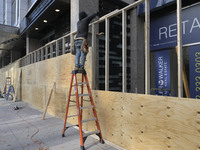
(73,105)
(80,95)
(81,83)
(87,100)
(90,133)
(87,120)
(90,106)
(72,116)
(73,101)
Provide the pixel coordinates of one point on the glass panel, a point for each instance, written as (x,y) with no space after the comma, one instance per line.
(101,56)
(60,47)
(54,49)
(67,45)
(115,54)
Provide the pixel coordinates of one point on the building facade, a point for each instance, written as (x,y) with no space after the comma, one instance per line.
(41,24)
(163,44)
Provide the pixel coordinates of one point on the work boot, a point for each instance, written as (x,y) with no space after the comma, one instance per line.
(76,69)
(81,69)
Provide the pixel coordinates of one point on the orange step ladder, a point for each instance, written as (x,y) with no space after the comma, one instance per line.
(80,108)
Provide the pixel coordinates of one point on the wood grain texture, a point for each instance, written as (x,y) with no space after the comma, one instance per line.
(149,122)
(132,121)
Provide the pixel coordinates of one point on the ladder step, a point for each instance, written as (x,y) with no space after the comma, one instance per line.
(90,133)
(80,95)
(90,106)
(72,101)
(81,83)
(87,100)
(87,120)
(72,116)
(73,105)
(83,100)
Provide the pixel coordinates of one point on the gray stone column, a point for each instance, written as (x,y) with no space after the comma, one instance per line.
(33,44)
(74,14)
(17,13)
(88,6)
(137,53)
(1,12)
(23,7)
(8,12)
(27,44)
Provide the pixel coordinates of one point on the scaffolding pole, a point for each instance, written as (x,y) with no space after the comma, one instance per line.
(147,47)
(107,22)
(124,51)
(179,46)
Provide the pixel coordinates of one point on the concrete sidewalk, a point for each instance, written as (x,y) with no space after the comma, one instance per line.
(24,129)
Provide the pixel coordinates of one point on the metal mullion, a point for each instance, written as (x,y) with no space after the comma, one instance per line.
(57,48)
(38,55)
(46,52)
(180,50)
(63,45)
(42,54)
(94,55)
(107,54)
(30,59)
(51,50)
(124,51)
(26,60)
(147,46)
(35,56)
(32,56)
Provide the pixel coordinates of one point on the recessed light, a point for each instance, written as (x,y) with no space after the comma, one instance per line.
(36,28)
(45,21)
(57,10)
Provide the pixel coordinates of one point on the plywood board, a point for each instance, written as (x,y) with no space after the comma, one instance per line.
(109,105)
(152,122)
(132,121)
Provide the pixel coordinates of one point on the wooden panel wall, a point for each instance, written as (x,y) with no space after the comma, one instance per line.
(132,121)
(141,122)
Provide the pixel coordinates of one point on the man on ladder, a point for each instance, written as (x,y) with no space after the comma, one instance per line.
(81,44)
(82,50)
